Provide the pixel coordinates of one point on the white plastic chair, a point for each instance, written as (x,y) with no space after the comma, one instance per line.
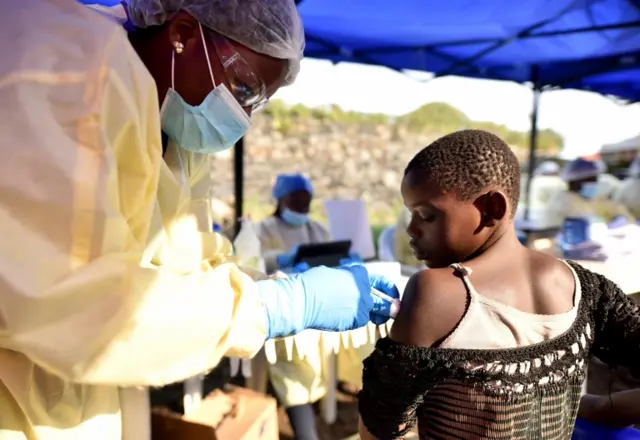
(385,244)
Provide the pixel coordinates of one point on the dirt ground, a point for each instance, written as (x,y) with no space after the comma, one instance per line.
(345,426)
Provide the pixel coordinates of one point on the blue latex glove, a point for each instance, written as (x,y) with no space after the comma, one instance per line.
(300,267)
(323,299)
(381,311)
(353,257)
(286,259)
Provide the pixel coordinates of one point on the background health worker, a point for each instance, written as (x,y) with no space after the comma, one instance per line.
(301,379)
(580,199)
(628,195)
(298,380)
(107,280)
(290,225)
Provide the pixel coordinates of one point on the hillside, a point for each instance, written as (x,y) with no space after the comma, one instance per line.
(347,154)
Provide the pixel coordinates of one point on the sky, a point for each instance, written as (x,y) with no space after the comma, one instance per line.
(586,120)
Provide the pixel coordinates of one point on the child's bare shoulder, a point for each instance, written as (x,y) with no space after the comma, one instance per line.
(433,303)
(552,276)
(435,300)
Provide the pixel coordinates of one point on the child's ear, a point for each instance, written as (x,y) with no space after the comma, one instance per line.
(493,207)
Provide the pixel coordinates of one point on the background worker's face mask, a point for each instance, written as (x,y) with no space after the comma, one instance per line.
(294,218)
(589,190)
(213,126)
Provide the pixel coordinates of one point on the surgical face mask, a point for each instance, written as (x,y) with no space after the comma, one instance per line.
(213,126)
(294,218)
(589,190)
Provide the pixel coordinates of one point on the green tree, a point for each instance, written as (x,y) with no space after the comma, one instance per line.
(276,107)
(497,129)
(300,111)
(549,140)
(435,117)
(517,138)
(378,119)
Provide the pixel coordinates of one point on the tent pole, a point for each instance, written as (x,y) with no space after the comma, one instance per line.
(238,174)
(533,138)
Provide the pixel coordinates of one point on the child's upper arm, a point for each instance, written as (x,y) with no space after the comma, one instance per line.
(398,373)
(433,303)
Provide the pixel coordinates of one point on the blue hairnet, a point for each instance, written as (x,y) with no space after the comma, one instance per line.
(270,27)
(288,183)
(580,169)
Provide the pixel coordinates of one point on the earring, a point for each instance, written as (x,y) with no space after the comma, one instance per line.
(179,47)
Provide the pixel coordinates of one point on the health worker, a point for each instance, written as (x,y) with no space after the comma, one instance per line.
(109,280)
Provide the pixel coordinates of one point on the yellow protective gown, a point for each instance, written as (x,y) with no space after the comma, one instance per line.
(276,237)
(543,188)
(628,195)
(563,204)
(296,373)
(106,281)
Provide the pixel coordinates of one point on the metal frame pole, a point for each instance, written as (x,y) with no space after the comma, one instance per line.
(238,177)
(533,137)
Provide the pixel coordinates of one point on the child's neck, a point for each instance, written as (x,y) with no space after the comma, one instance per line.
(503,242)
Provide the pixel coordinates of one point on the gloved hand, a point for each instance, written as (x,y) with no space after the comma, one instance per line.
(354,257)
(381,311)
(324,299)
(286,259)
(301,267)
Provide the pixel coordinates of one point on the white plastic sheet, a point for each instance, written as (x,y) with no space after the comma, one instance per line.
(348,220)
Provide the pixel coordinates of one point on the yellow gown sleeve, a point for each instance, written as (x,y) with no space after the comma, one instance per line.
(271,246)
(323,231)
(609,209)
(77,193)
(628,195)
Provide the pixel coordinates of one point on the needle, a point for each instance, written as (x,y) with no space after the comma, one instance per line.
(395,303)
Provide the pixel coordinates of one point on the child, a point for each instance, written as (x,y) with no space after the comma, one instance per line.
(492,340)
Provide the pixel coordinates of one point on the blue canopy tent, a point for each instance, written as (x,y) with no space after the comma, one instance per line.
(496,39)
(584,44)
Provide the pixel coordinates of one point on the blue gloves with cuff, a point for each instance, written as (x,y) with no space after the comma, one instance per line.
(286,259)
(326,299)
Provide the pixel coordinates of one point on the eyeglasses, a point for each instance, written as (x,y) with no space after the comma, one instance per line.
(247,87)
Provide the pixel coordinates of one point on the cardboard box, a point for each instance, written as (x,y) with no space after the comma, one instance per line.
(236,414)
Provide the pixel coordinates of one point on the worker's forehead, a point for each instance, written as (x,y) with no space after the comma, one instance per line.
(589,179)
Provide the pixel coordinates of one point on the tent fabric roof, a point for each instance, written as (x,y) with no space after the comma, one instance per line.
(584,44)
(625,145)
(624,83)
(573,43)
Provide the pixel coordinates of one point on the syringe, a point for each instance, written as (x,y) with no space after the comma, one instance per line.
(395,303)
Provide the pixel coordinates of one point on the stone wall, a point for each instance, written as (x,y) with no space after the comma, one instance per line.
(343,160)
